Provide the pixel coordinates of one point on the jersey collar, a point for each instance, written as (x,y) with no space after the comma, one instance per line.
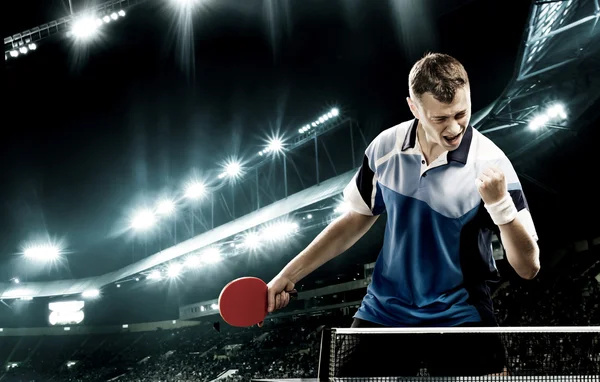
(459,155)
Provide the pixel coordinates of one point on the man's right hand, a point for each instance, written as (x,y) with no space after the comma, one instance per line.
(278,293)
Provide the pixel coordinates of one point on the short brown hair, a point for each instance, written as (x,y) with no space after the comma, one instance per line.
(439,74)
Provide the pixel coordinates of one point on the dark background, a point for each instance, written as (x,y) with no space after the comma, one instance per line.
(91,132)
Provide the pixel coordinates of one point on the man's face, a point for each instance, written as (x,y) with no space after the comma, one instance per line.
(443,124)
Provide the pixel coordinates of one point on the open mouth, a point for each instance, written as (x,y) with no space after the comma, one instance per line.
(453,140)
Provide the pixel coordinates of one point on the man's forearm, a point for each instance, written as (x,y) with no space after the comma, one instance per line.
(522,251)
(331,242)
(321,250)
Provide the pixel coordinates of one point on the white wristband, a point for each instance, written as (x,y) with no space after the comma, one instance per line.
(502,212)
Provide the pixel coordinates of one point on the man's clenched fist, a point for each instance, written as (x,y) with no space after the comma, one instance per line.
(491,185)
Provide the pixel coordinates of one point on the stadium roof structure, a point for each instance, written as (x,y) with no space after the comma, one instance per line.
(558,65)
(307,197)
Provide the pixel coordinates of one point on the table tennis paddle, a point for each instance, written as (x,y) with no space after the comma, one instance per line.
(243,302)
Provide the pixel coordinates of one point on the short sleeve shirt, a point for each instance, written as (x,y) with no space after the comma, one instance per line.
(436,260)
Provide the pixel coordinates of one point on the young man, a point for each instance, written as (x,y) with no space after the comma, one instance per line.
(446,188)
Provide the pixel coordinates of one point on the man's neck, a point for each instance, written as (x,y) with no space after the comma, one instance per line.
(431,151)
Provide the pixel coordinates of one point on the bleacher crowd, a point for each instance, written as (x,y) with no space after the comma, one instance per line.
(289,348)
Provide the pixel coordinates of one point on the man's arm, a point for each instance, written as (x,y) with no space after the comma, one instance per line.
(340,235)
(517,231)
(363,196)
(522,251)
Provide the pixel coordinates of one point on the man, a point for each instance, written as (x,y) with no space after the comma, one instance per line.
(446,189)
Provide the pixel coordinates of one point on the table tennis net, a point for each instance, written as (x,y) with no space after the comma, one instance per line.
(470,354)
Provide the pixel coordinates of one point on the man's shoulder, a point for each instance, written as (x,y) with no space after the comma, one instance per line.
(388,140)
(395,132)
(485,149)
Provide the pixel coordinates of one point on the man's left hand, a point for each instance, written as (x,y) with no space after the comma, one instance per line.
(491,185)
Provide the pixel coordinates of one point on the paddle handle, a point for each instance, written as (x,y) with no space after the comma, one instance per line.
(293,294)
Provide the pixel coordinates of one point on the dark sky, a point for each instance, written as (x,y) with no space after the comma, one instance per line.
(91,132)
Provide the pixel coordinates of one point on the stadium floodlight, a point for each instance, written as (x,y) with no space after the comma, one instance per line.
(91,293)
(279,231)
(553,113)
(233,169)
(43,252)
(143,220)
(155,275)
(557,111)
(252,240)
(274,145)
(165,207)
(192,261)
(84,27)
(174,270)
(333,113)
(20,47)
(538,121)
(80,27)
(195,190)
(211,256)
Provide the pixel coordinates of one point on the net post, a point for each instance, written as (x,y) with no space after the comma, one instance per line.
(324,355)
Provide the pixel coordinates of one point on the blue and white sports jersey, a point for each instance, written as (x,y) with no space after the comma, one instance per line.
(436,258)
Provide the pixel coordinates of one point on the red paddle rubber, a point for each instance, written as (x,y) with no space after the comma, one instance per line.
(243,302)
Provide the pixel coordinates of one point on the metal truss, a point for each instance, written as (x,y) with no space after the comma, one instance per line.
(559,62)
(62,25)
(549,19)
(254,169)
(302,139)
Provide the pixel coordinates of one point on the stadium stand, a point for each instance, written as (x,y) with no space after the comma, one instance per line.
(288,347)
